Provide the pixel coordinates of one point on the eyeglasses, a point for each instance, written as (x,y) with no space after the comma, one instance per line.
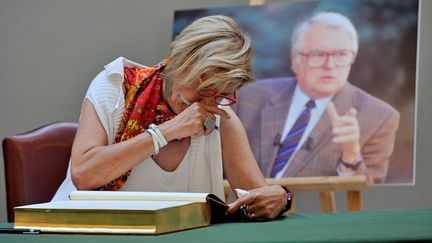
(317,58)
(223,99)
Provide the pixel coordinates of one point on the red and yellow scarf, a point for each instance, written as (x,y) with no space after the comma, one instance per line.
(144,104)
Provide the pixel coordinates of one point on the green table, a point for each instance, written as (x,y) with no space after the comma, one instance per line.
(312,227)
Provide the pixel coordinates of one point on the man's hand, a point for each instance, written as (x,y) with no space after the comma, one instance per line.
(346,132)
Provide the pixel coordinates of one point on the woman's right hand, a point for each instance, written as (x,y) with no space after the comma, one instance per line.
(190,121)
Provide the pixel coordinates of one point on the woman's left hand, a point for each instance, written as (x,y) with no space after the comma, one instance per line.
(262,204)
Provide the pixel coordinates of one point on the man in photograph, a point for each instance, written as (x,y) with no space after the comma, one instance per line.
(317,123)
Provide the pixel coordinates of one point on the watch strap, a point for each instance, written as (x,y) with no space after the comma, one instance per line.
(289,200)
(352,166)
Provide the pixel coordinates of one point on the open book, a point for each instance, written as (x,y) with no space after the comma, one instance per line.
(123,212)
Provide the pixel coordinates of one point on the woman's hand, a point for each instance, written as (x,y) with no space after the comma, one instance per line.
(190,121)
(262,204)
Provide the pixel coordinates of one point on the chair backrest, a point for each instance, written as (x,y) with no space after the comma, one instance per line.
(36,163)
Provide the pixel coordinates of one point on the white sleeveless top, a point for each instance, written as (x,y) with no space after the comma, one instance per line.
(199,171)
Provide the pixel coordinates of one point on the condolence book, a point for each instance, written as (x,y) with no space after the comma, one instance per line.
(107,212)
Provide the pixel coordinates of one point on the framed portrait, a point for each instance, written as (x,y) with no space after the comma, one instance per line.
(385,64)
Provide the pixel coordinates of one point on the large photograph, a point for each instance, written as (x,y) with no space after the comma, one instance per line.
(335,86)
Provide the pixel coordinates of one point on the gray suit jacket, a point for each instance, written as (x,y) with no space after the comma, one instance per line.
(263,108)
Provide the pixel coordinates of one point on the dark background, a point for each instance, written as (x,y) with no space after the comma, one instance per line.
(385,65)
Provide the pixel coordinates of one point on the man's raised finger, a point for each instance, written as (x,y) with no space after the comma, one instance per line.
(332,113)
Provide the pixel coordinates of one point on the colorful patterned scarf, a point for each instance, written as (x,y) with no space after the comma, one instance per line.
(144,104)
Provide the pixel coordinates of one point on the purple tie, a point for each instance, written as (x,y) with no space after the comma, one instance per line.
(289,145)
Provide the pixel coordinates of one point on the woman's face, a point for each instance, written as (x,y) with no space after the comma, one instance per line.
(182,97)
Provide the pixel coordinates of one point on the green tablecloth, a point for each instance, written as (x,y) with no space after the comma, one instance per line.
(313,227)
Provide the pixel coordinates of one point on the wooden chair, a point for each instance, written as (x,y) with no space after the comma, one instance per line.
(326,186)
(36,163)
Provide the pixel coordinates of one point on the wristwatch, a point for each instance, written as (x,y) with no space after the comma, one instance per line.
(289,200)
(352,166)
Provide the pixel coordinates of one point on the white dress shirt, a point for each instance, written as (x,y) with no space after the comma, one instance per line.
(298,104)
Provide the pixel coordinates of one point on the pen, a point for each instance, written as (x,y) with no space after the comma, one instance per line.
(188,103)
(19,231)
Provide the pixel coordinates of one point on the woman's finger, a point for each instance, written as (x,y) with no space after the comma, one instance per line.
(216,110)
(233,207)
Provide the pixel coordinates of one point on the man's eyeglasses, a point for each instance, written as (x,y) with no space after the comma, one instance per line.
(317,58)
(223,99)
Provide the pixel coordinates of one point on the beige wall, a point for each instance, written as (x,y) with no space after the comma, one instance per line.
(50,50)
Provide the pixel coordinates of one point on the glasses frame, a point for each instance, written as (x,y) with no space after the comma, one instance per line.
(328,54)
(214,93)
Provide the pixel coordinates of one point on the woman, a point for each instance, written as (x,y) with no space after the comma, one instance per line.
(153,128)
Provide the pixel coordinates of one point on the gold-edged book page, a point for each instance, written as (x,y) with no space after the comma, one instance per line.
(121,213)
(132,196)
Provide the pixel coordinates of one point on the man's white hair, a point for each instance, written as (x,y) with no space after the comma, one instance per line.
(331,19)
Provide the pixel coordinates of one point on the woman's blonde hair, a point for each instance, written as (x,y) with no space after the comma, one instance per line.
(214,49)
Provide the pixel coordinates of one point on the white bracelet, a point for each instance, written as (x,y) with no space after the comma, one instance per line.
(155,141)
(161,138)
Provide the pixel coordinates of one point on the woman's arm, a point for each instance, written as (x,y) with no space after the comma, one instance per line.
(94,162)
(240,167)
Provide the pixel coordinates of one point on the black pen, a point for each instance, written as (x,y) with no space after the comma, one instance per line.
(19,231)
